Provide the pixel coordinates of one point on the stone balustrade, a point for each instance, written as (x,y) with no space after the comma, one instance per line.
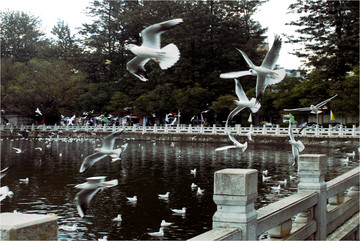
(318,210)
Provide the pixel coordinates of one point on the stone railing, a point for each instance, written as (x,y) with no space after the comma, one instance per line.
(316,211)
(189,129)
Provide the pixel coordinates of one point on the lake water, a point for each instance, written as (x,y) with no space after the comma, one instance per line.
(146,170)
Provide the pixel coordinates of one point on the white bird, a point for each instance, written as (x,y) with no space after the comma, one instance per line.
(5,192)
(345,161)
(132,199)
(352,154)
(89,189)
(276,189)
(265,179)
(164,196)
(151,49)
(158,234)
(104,238)
(292,178)
(70,120)
(18,150)
(266,75)
(249,135)
(199,191)
(314,109)
(265,172)
(37,111)
(165,224)
(24,180)
(38,148)
(283,182)
(72,228)
(107,149)
(193,171)
(118,218)
(179,211)
(193,185)
(3,172)
(236,144)
(296,146)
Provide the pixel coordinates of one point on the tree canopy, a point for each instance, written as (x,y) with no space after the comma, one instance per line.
(87,70)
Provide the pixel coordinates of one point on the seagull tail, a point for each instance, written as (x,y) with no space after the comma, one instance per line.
(171,56)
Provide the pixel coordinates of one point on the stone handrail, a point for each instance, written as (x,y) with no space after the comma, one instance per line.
(317,210)
(189,129)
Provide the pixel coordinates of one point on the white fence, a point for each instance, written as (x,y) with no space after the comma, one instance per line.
(271,131)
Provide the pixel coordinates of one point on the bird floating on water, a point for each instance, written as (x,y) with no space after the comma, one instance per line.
(132,199)
(150,48)
(164,196)
(179,211)
(165,224)
(118,218)
(157,234)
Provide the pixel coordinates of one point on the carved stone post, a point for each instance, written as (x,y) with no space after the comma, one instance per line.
(312,170)
(235,191)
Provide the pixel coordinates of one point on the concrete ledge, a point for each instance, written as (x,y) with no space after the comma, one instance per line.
(220,233)
(348,231)
(19,226)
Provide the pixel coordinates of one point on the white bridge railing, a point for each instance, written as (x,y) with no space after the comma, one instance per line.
(189,129)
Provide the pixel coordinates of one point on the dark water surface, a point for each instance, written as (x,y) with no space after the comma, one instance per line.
(146,170)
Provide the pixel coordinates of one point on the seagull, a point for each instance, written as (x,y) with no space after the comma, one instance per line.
(314,109)
(352,154)
(345,161)
(5,192)
(164,196)
(89,189)
(38,148)
(193,185)
(165,224)
(265,179)
(24,180)
(104,238)
(18,150)
(236,144)
(158,234)
(151,49)
(72,228)
(179,211)
(242,102)
(266,75)
(118,218)
(107,149)
(199,191)
(193,171)
(265,172)
(292,177)
(3,172)
(283,182)
(296,146)
(132,199)
(249,135)
(276,189)
(37,111)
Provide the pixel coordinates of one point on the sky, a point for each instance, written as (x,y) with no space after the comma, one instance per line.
(271,15)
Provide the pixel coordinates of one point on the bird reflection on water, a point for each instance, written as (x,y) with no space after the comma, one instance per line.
(145,171)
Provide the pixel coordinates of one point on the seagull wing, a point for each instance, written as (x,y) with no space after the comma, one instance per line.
(151,34)
(299,109)
(109,140)
(238,144)
(3,192)
(224,148)
(136,67)
(324,102)
(91,160)
(3,172)
(260,86)
(235,74)
(240,91)
(248,61)
(273,54)
(291,135)
(233,113)
(83,199)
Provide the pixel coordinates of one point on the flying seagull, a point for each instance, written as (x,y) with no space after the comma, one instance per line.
(242,102)
(314,109)
(107,149)
(266,75)
(151,49)
(89,189)
(3,172)
(296,146)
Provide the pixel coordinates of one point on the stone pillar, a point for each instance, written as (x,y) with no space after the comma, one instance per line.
(190,129)
(235,192)
(19,226)
(277,131)
(312,170)
(214,129)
